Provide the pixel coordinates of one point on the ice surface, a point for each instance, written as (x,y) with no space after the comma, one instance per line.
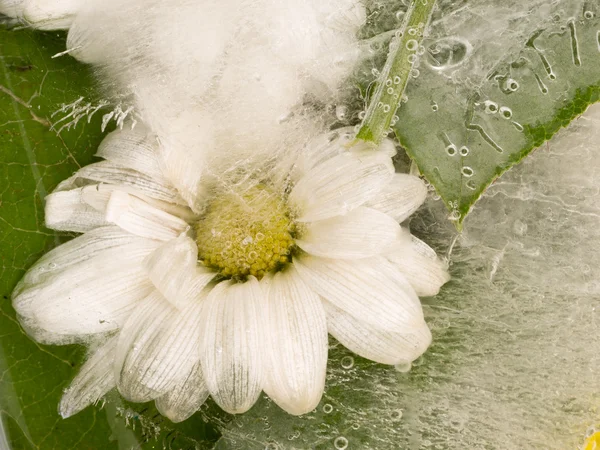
(515,361)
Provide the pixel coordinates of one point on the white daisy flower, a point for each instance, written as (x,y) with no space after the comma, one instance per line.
(185,288)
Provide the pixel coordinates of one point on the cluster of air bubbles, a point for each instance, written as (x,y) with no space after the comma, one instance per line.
(490,107)
(454,215)
(340,443)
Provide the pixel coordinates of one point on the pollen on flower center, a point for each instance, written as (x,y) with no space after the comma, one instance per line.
(246,234)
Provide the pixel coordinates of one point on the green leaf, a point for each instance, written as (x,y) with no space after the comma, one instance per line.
(33,160)
(467,122)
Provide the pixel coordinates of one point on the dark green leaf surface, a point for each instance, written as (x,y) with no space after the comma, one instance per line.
(33,160)
(464,133)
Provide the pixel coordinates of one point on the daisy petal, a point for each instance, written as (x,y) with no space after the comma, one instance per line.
(184,168)
(142,326)
(175,272)
(11,8)
(403,345)
(110,173)
(162,352)
(401,197)
(372,289)
(340,184)
(134,148)
(94,296)
(81,249)
(297,344)
(232,355)
(50,15)
(185,398)
(324,147)
(361,233)
(419,264)
(140,218)
(67,211)
(94,380)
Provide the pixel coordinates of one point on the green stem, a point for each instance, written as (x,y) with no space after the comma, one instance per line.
(396,72)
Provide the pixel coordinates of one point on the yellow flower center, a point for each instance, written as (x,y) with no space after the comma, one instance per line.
(246,234)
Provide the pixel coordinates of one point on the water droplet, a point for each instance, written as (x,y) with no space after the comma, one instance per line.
(421,50)
(271,446)
(388,82)
(467,171)
(411,58)
(361,115)
(327,408)
(412,31)
(386,108)
(471,185)
(415,73)
(375,72)
(464,151)
(397,79)
(490,107)
(341,112)
(347,362)
(400,15)
(434,106)
(412,44)
(451,150)
(390,91)
(340,443)
(52,266)
(588,14)
(355,426)
(506,112)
